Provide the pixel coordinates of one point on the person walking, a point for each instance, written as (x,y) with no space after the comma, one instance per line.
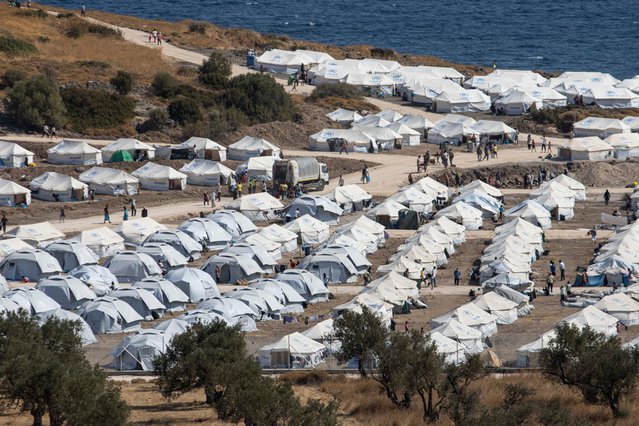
(562,270)
(83,11)
(63,215)
(543,144)
(550,281)
(205,198)
(45,131)
(534,146)
(134,207)
(342,147)
(433,278)
(3,223)
(593,236)
(451,155)
(145,212)
(419,163)
(606,197)
(479,150)
(125,214)
(529,142)
(457,276)
(107,218)
(219,192)
(340,182)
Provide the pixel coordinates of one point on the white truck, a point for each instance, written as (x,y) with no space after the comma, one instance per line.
(306,171)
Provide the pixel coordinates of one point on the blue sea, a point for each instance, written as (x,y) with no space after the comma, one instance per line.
(560,35)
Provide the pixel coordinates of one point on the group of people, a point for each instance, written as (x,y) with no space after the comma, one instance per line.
(156,37)
(443,156)
(48,132)
(486,150)
(125,212)
(529,179)
(546,145)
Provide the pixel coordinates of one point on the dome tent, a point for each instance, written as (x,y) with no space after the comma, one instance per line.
(96,277)
(180,241)
(102,241)
(138,351)
(86,334)
(33,264)
(67,291)
(130,266)
(109,315)
(195,283)
(32,300)
(142,301)
(164,253)
(207,232)
(71,254)
(165,291)
(233,267)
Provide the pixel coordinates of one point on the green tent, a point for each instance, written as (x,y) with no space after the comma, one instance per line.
(120,156)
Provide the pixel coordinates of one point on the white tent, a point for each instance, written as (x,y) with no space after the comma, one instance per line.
(626,145)
(103,241)
(280,235)
(528,355)
(9,245)
(258,253)
(416,122)
(601,127)
(71,254)
(310,231)
(73,152)
(344,116)
(235,223)
(138,351)
(452,351)
(165,253)
(285,294)
(462,100)
(311,288)
(355,139)
(611,97)
(13,155)
(180,241)
(620,306)
(594,318)
(203,317)
(262,302)
(350,197)
(365,80)
(292,351)
(472,316)
(195,283)
(138,150)
(384,137)
(233,267)
(406,266)
(97,277)
(615,269)
(32,300)
(478,199)
(173,326)
(504,309)
(68,292)
(574,185)
(409,136)
(250,146)
(259,168)
(12,194)
(258,206)
(393,288)
(430,186)
(483,187)
(494,128)
(559,204)
(470,339)
(206,232)
(322,332)
(337,267)
(272,248)
(144,302)
(130,266)
(110,315)
(86,334)
(414,199)
(386,212)
(234,310)
(389,115)
(204,148)
(135,231)
(456,232)
(36,234)
(33,264)
(110,181)
(165,291)
(156,177)
(632,122)
(463,214)
(523,300)
(206,173)
(531,211)
(288,62)
(449,132)
(52,186)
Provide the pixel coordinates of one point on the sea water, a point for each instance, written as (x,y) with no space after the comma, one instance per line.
(559,35)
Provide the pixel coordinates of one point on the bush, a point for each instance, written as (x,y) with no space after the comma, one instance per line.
(97,65)
(122,82)
(36,101)
(381,53)
(65,15)
(337,90)
(76,28)
(11,77)
(164,85)
(198,27)
(14,46)
(216,71)
(157,119)
(96,108)
(184,110)
(30,13)
(260,98)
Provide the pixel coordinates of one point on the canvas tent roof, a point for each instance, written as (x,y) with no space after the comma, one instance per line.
(250,146)
(8,187)
(97,277)
(416,122)
(195,283)
(73,152)
(344,116)
(531,211)
(107,176)
(158,171)
(235,223)
(9,150)
(32,300)
(206,231)
(493,128)
(138,351)
(135,231)
(317,206)
(482,186)
(36,234)
(71,254)
(55,182)
(86,334)
(67,291)
(205,172)
(130,266)
(310,230)
(469,338)
(103,241)
(200,144)
(464,214)
(597,126)
(257,206)
(109,315)
(296,347)
(472,316)
(370,120)
(596,319)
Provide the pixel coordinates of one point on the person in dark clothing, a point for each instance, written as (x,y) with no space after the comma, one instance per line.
(3,223)
(606,197)
(457,276)
(145,212)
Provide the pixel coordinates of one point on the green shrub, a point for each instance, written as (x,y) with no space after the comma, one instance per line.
(96,108)
(36,101)
(11,77)
(122,82)
(164,85)
(381,53)
(97,65)
(32,13)
(65,15)
(337,90)
(198,27)
(188,71)
(259,97)
(156,121)
(14,46)
(184,110)
(76,28)
(216,71)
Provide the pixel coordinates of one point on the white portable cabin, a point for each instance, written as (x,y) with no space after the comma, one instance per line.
(601,127)
(292,351)
(258,206)
(343,116)
(103,241)
(589,148)
(110,181)
(206,173)
(52,186)
(250,146)
(156,177)
(204,148)
(13,155)
(37,235)
(74,152)
(12,194)
(138,150)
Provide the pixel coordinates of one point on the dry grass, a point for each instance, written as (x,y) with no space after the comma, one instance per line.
(59,52)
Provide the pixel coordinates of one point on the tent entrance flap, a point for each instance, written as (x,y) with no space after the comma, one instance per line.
(212,154)
(78,194)
(267,153)
(175,184)
(19,199)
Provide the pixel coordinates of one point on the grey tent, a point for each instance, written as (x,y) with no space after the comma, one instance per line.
(138,351)
(234,311)
(203,317)
(306,284)
(180,241)
(109,315)
(235,223)
(285,294)
(69,292)
(233,267)
(97,277)
(86,334)
(255,252)
(130,266)
(165,291)
(142,301)
(32,300)
(161,252)
(71,254)
(336,266)
(173,326)
(33,264)
(195,283)
(358,260)
(206,232)
(263,302)
(321,208)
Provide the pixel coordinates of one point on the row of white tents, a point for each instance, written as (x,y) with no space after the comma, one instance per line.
(617,262)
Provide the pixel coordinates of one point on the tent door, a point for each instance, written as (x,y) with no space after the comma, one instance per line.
(78,194)
(19,199)
(175,184)
(267,153)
